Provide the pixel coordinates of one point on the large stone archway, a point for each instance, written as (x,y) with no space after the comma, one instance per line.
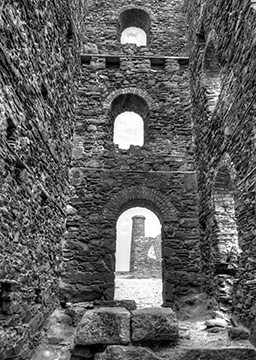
(90,241)
(141,196)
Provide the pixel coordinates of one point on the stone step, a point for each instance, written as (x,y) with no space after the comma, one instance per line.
(225,353)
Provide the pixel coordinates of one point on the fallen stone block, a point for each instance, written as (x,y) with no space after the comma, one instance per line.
(117,352)
(109,326)
(154,324)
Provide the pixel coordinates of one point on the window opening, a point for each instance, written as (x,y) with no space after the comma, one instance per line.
(86,60)
(211,77)
(128,130)
(134,27)
(112,62)
(157,63)
(6,290)
(44,91)
(225,236)
(11,131)
(70,31)
(184,63)
(134,35)
(139,257)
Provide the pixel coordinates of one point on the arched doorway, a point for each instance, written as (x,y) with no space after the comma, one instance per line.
(139,257)
(225,242)
(140,196)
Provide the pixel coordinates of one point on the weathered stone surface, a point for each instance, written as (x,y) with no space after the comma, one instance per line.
(221,55)
(154,324)
(116,352)
(224,353)
(38,64)
(239,333)
(127,304)
(216,322)
(104,326)
(77,310)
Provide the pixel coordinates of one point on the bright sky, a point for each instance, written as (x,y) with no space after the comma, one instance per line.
(128,130)
(124,229)
(134,35)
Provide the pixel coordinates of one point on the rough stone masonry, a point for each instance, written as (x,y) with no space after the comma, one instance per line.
(160,175)
(64,78)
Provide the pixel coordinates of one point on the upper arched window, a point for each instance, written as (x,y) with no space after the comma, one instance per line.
(134,27)
(129,113)
(211,74)
(134,35)
(128,130)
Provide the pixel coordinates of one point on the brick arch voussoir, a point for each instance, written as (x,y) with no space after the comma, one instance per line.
(131,7)
(150,198)
(212,39)
(225,163)
(130,90)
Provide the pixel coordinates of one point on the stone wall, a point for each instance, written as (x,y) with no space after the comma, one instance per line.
(38,63)
(222,40)
(160,175)
(166,29)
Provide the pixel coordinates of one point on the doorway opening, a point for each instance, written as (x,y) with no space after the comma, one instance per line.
(138,273)
(226,249)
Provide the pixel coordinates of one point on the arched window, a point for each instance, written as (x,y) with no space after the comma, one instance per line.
(134,27)
(211,74)
(129,113)
(225,243)
(134,35)
(128,130)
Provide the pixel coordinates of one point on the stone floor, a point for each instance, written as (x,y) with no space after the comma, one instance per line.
(146,292)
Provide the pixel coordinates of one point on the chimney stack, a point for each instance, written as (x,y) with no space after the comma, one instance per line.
(138,235)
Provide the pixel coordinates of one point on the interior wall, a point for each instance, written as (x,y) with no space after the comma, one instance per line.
(230,128)
(134,81)
(38,61)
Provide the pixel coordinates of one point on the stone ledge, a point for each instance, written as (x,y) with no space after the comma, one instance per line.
(116,352)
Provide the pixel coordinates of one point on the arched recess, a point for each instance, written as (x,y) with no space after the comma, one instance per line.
(225,242)
(211,73)
(135,17)
(140,196)
(129,100)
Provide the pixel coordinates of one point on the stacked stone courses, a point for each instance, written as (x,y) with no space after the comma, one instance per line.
(38,63)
